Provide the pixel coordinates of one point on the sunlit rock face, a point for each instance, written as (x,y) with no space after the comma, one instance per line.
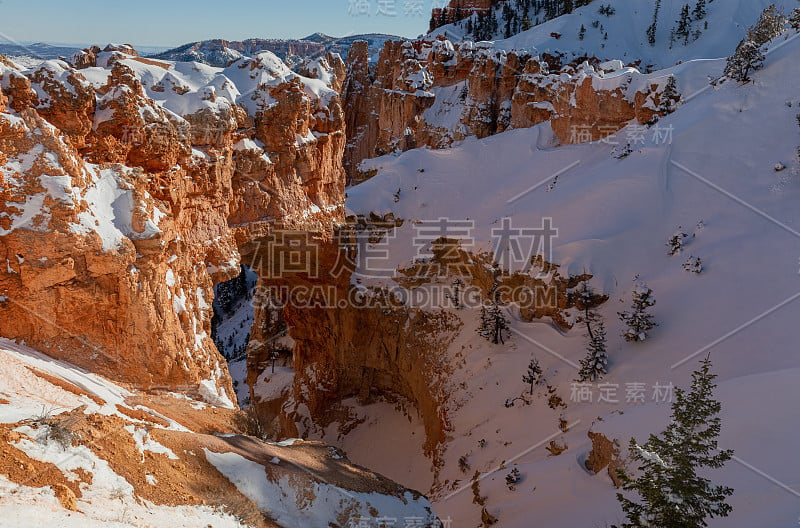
(129,185)
(434,92)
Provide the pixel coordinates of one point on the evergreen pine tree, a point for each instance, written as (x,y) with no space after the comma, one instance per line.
(494,324)
(534,374)
(582,32)
(455,295)
(651,34)
(794,18)
(484,328)
(745,59)
(499,324)
(638,321)
(693,265)
(274,356)
(675,242)
(672,494)
(651,30)
(770,24)
(699,11)
(670,97)
(593,366)
(684,25)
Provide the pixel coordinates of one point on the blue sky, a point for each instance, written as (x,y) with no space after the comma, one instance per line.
(173,22)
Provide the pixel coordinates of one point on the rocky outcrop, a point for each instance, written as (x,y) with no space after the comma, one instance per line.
(433,92)
(126,198)
(605,453)
(122,456)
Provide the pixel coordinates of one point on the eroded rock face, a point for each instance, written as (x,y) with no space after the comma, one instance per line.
(346,344)
(605,454)
(127,196)
(433,93)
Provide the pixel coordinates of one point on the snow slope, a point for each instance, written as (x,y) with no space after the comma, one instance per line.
(711,170)
(728,21)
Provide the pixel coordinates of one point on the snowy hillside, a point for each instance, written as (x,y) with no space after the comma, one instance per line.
(724,170)
(623,34)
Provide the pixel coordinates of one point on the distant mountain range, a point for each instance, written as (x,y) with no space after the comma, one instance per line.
(42,50)
(220,52)
(38,50)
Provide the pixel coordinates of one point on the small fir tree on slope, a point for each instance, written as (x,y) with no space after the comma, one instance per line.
(671,493)
(670,97)
(684,25)
(675,242)
(593,365)
(494,324)
(638,321)
(534,374)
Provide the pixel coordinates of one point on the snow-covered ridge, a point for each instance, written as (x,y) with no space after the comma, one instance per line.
(189,87)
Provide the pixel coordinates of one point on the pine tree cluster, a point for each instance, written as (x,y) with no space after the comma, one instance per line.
(684,29)
(748,56)
(770,24)
(506,19)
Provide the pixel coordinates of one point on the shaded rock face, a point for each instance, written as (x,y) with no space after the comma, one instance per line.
(120,213)
(433,93)
(605,454)
(345,344)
